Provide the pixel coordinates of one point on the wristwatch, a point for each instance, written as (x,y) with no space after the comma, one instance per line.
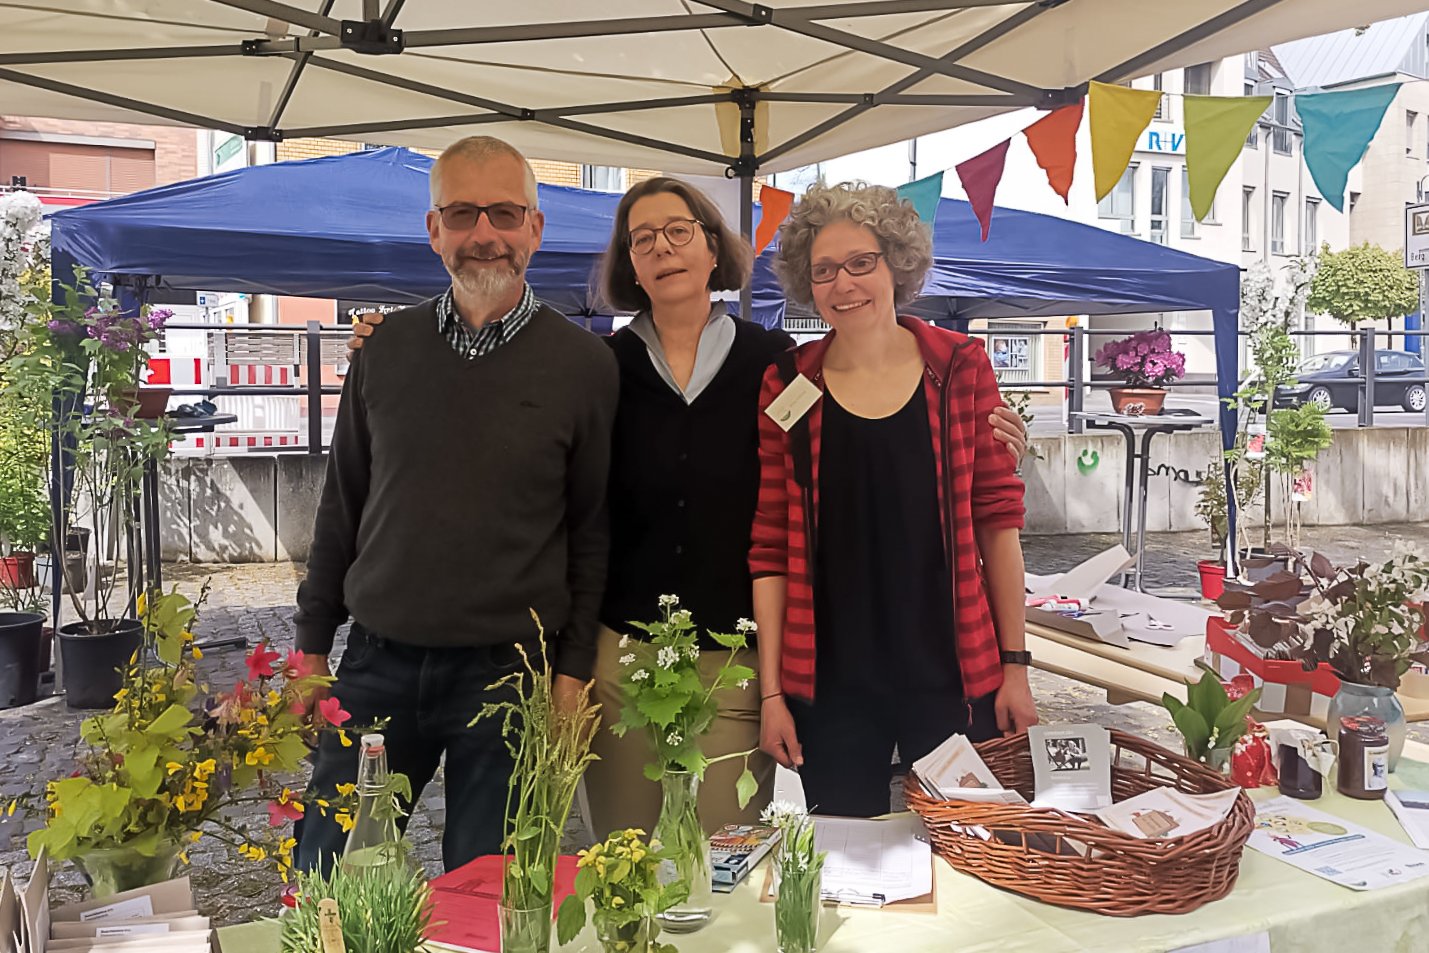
(1016,658)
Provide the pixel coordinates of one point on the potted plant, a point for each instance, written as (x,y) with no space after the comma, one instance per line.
(1146,362)
(620,879)
(798,869)
(382,909)
(551,749)
(1296,437)
(1211,507)
(666,697)
(80,363)
(164,766)
(1210,720)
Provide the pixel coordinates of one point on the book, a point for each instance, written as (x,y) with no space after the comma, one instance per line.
(464,902)
(1412,808)
(736,849)
(953,771)
(1071,767)
(1167,812)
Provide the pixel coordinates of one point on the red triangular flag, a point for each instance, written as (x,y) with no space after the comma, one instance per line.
(776,204)
(980,176)
(1053,139)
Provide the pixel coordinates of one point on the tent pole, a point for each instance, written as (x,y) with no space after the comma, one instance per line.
(745,169)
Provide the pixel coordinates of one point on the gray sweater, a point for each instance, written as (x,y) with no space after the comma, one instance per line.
(463,493)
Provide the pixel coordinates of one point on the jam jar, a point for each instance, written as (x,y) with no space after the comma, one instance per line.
(1364,757)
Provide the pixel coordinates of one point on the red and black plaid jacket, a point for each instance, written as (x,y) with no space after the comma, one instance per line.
(976,487)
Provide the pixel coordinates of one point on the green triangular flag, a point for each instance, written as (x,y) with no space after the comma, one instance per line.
(1216,127)
(924,194)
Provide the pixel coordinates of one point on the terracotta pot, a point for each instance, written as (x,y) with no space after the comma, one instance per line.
(1138,401)
(17,571)
(1213,578)
(143,403)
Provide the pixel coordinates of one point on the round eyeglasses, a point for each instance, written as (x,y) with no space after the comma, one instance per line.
(822,272)
(679,231)
(462,217)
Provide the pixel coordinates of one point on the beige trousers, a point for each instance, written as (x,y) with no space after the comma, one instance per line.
(617,791)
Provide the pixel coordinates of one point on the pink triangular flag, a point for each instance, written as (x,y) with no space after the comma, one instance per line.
(980,176)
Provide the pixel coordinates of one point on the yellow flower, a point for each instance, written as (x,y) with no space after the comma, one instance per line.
(258,756)
(173,767)
(346,790)
(194,836)
(141,604)
(205,768)
(342,736)
(344,820)
(617,901)
(274,697)
(196,653)
(252,852)
(122,694)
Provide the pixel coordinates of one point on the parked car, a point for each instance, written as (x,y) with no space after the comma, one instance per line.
(1332,380)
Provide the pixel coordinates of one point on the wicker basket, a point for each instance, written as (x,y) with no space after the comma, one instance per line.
(1060,859)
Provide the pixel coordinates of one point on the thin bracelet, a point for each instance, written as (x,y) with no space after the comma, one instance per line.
(765,698)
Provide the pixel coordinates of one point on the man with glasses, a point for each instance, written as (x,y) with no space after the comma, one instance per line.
(465,489)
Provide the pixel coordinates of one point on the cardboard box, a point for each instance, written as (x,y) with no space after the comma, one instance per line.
(1285,687)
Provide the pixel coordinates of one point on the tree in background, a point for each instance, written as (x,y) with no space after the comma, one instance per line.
(1363,283)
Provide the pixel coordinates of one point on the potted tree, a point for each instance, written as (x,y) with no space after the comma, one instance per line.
(1147,363)
(1211,507)
(1297,435)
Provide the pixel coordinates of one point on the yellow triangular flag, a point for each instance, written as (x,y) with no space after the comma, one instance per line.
(1118,116)
(1216,127)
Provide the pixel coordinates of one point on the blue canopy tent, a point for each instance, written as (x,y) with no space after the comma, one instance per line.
(1038,265)
(347,226)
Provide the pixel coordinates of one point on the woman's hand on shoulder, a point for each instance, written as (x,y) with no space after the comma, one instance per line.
(363,328)
(1008,428)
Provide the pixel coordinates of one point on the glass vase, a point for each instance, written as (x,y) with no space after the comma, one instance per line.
(796,910)
(525,929)
(681,836)
(634,936)
(1376,700)
(111,870)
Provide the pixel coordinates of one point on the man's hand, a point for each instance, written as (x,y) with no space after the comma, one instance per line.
(777,737)
(363,328)
(566,693)
(1016,711)
(313,665)
(1007,426)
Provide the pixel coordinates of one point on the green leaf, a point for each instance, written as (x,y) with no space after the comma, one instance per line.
(585,882)
(145,773)
(1207,696)
(1230,723)
(653,771)
(746,787)
(172,723)
(662,710)
(570,919)
(1194,729)
(735,641)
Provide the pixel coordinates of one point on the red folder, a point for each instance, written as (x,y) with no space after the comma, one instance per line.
(464,903)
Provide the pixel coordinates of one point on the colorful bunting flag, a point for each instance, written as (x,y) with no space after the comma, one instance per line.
(1338,129)
(775,205)
(980,176)
(1053,140)
(1216,127)
(924,194)
(1119,114)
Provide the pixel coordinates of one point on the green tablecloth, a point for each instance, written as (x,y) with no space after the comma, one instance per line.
(1300,912)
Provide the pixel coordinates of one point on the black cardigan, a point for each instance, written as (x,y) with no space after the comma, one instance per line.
(684,481)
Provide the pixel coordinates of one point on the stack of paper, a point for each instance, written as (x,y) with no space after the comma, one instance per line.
(1167,812)
(1412,809)
(1071,767)
(953,771)
(1335,849)
(873,862)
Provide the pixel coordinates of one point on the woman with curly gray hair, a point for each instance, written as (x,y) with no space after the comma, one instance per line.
(886,539)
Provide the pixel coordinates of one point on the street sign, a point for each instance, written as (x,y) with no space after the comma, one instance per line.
(1416,236)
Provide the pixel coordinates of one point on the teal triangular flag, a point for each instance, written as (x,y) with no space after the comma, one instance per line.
(1338,128)
(924,194)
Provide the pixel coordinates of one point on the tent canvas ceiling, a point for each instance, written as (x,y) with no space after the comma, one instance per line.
(643,83)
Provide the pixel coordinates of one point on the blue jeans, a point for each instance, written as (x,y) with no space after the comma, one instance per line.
(429,697)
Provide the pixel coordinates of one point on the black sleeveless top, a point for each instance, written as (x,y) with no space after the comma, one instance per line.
(883,592)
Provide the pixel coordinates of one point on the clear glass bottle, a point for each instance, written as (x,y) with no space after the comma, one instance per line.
(374,840)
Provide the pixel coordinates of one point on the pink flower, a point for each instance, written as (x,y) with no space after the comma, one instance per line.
(331,710)
(260,662)
(295,665)
(290,896)
(281,812)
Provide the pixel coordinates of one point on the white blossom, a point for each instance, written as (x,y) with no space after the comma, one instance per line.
(627,659)
(694,653)
(746,627)
(780,811)
(667,656)
(624,641)
(673,738)
(743,683)
(668,601)
(682,617)
(639,675)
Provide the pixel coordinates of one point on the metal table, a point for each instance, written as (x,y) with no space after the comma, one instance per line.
(1138,469)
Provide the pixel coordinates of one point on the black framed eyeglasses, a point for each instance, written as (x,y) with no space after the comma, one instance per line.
(679,231)
(461,216)
(822,272)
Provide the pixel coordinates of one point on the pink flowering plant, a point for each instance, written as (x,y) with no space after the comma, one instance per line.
(173,761)
(1143,360)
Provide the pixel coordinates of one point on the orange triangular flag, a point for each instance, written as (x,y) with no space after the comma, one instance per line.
(1053,140)
(776,204)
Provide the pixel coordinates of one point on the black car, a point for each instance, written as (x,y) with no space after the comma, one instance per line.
(1398,381)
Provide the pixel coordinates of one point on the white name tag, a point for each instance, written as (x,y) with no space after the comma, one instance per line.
(789,407)
(137,929)
(131,909)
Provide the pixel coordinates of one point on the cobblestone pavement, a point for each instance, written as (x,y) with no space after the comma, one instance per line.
(256,601)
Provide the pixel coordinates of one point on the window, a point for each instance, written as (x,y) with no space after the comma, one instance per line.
(1159,179)
(1197,80)
(1312,227)
(1247,210)
(1120,202)
(1158,84)
(1015,356)
(1188,218)
(1410,116)
(1252,138)
(1280,115)
(604,178)
(1278,201)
